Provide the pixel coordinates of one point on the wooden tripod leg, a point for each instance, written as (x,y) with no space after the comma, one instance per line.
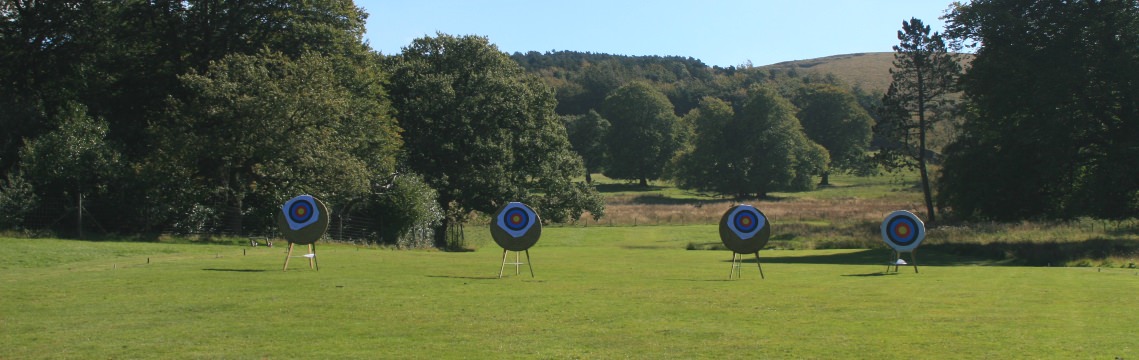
(503,264)
(312,260)
(528,263)
(733,272)
(914,258)
(757,264)
(287,255)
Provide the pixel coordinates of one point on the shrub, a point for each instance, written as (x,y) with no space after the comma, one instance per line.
(17,199)
(408,212)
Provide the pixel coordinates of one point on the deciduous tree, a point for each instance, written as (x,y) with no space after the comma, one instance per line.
(1054,110)
(833,118)
(482,132)
(256,130)
(587,135)
(643,132)
(760,149)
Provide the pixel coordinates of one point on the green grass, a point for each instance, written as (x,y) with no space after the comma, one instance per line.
(898,186)
(600,292)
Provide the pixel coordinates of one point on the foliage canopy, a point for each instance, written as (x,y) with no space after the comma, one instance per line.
(483,132)
(1054,111)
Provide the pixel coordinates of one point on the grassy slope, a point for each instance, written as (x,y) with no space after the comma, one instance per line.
(600,292)
(871,71)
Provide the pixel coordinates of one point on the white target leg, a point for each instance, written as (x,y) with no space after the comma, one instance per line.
(500,268)
(737,259)
(312,263)
(732,272)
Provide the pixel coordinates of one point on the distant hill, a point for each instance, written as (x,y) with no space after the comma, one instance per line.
(870,71)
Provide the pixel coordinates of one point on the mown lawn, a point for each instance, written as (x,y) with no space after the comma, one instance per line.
(599,292)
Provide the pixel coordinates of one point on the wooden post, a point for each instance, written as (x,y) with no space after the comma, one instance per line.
(287,256)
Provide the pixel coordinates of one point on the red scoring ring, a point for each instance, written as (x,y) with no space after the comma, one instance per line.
(902,230)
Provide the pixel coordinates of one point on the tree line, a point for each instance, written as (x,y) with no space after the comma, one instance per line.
(203,116)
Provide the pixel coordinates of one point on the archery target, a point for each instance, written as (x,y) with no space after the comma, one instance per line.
(303,220)
(301,211)
(903,230)
(516,227)
(744,229)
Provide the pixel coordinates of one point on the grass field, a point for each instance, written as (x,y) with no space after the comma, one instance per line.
(622,287)
(599,292)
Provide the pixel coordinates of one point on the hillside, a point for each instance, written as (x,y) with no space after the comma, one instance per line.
(870,71)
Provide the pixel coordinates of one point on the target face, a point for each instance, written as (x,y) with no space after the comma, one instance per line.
(745,221)
(303,219)
(744,229)
(301,211)
(516,227)
(903,230)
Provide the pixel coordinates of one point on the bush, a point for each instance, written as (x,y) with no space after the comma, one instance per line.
(17,199)
(408,212)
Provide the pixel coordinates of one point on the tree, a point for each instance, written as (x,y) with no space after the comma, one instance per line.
(642,136)
(74,160)
(760,149)
(482,132)
(700,164)
(587,136)
(257,130)
(17,199)
(1053,95)
(45,49)
(833,118)
(924,74)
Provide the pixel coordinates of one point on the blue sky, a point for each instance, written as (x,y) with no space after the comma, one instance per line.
(718,32)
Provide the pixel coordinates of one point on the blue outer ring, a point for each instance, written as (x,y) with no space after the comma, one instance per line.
(893,234)
(747,213)
(907,243)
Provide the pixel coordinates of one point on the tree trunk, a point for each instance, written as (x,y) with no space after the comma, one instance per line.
(588,177)
(826,179)
(921,147)
(925,181)
(441,234)
(79,223)
(644,182)
(233,216)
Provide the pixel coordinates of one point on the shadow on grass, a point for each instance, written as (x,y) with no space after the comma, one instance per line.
(876,274)
(1043,253)
(866,257)
(659,199)
(237,270)
(628,187)
(464,277)
(703,280)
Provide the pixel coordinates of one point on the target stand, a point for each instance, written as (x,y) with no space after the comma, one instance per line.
(517,263)
(516,227)
(303,220)
(744,230)
(311,255)
(898,262)
(737,261)
(903,232)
